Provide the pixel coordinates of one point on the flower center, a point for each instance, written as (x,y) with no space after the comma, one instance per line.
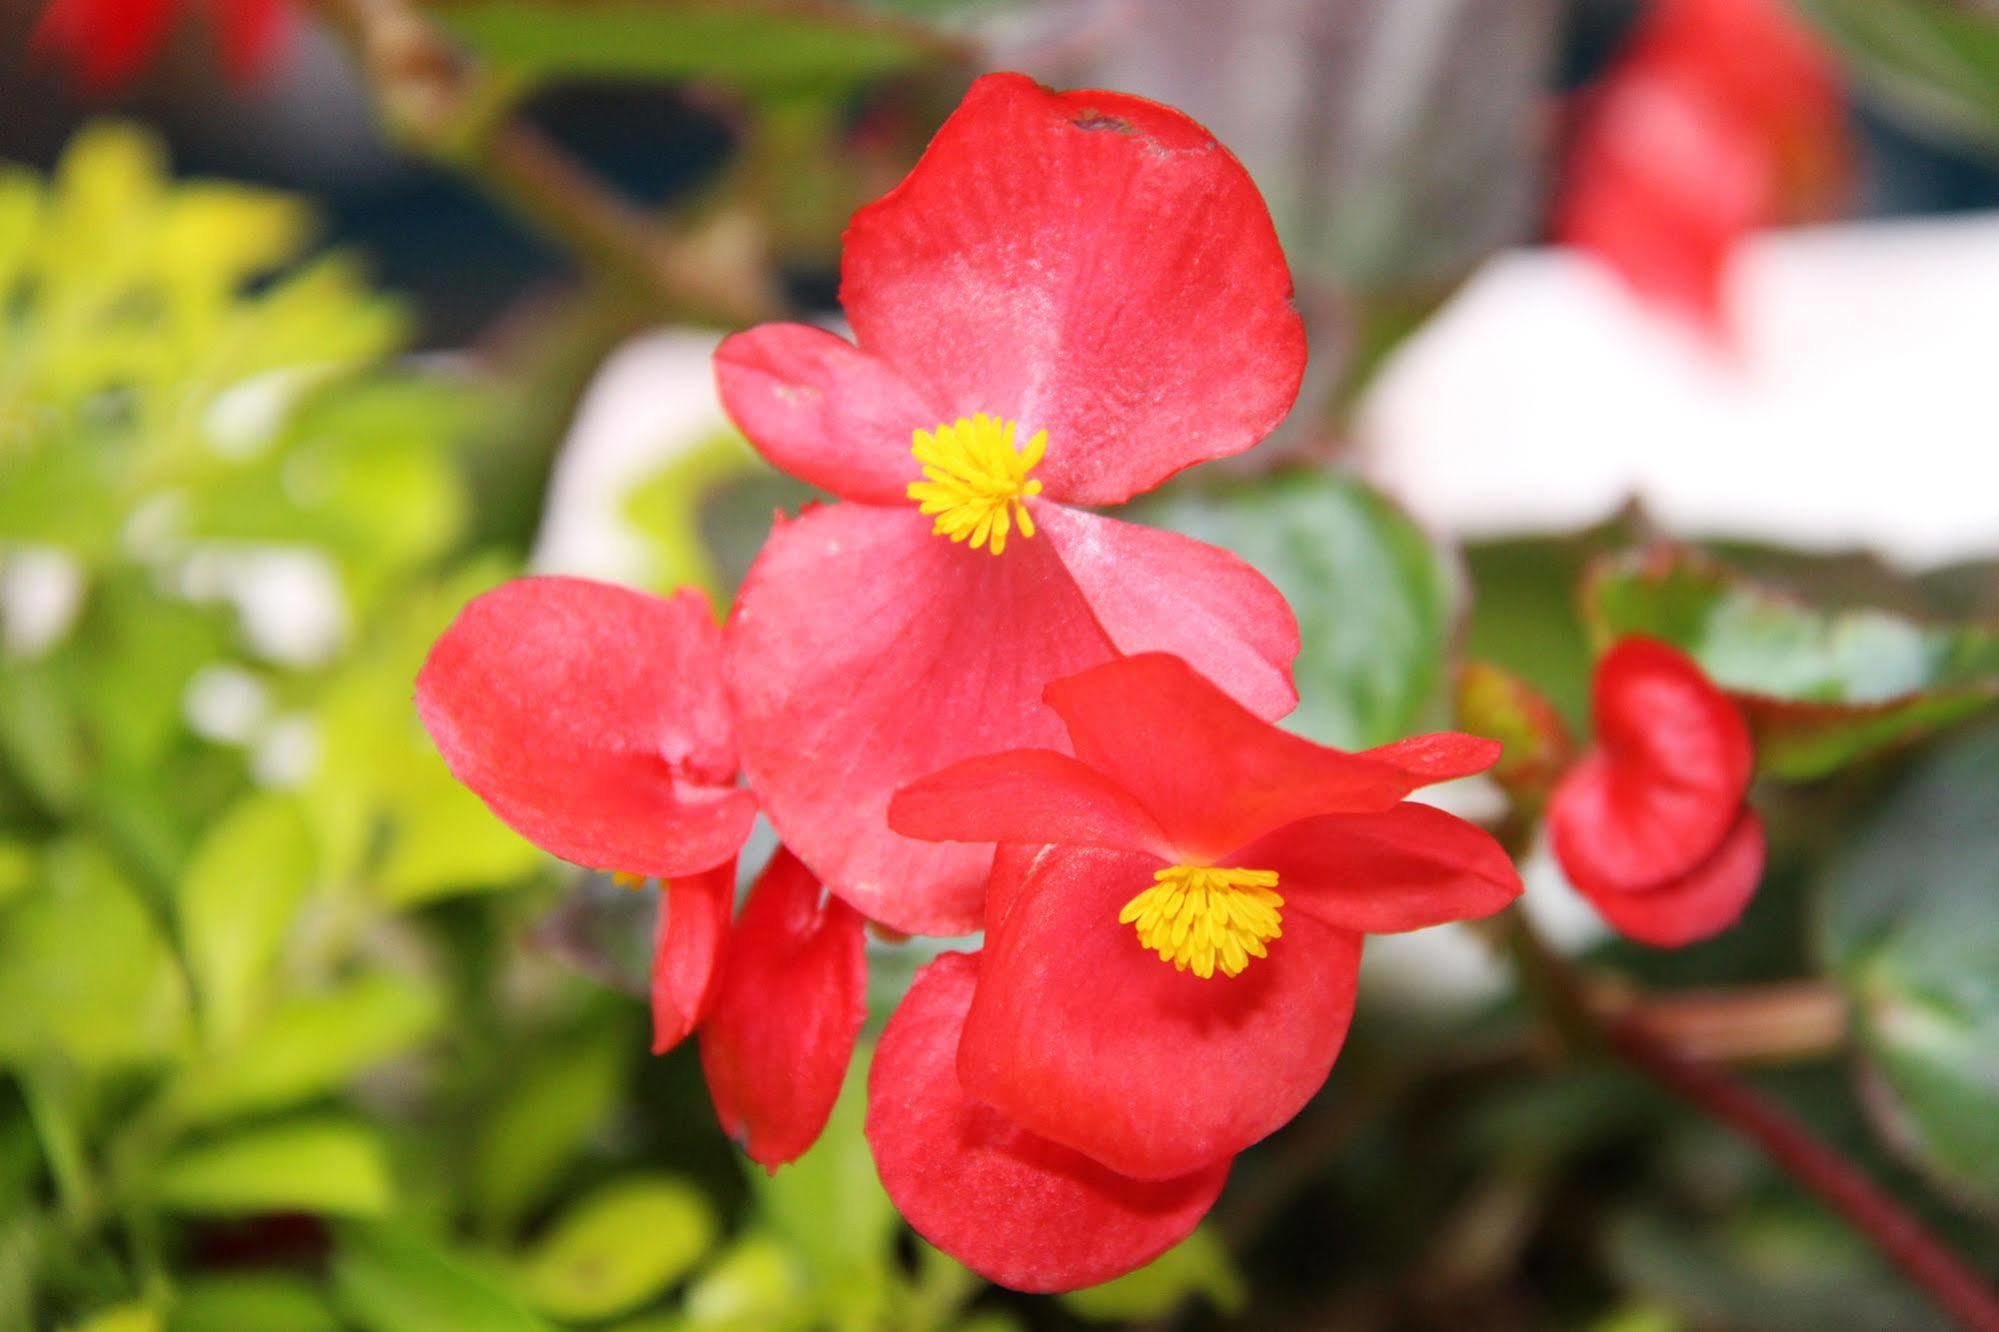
(974,473)
(1199,918)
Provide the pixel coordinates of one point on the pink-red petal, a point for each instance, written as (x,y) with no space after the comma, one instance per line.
(1159,591)
(1019,1210)
(1213,774)
(1666,779)
(1440,757)
(687,951)
(1080,1034)
(591,718)
(1699,904)
(865,652)
(1024,795)
(793,995)
(823,410)
(1404,869)
(1089,264)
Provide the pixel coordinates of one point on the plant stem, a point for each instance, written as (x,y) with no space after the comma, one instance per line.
(1820,1170)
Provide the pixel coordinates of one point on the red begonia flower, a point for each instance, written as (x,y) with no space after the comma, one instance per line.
(1015,1208)
(1721,116)
(1172,977)
(1651,824)
(592,720)
(792,998)
(110,41)
(1072,297)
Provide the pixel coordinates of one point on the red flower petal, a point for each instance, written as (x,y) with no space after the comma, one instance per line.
(1158,591)
(109,41)
(591,719)
(1016,1209)
(793,996)
(1408,868)
(252,31)
(863,653)
(1442,757)
(1700,904)
(1090,264)
(1080,1034)
(823,410)
(1666,780)
(1214,775)
(687,951)
(1024,795)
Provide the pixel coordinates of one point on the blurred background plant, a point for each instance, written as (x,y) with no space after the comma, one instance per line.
(295,1036)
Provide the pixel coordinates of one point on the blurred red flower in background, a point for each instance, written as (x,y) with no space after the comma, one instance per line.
(592,720)
(110,41)
(1072,297)
(1173,938)
(1652,824)
(1720,117)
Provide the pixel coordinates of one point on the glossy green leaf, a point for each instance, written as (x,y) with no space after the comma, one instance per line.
(251,1302)
(1911,928)
(84,968)
(330,1166)
(1821,689)
(618,1248)
(763,45)
(393,1279)
(238,896)
(312,1044)
(1198,1266)
(1935,62)
(757,1283)
(561,1095)
(1375,600)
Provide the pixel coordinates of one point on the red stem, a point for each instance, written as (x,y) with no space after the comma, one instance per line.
(1892,1228)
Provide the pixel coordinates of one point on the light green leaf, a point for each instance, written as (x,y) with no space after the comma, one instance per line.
(1933,61)
(560,1097)
(392,1279)
(312,1044)
(250,1303)
(237,900)
(84,970)
(618,1248)
(1911,928)
(1375,600)
(769,45)
(757,1283)
(124,1318)
(1197,1266)
(329,1166)
(1820,690)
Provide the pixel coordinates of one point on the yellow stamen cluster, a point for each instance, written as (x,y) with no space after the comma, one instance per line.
(974,473)
(627,880)
(1200,918)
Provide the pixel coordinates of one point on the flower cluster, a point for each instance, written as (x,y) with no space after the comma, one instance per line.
(965,701)
(1722,116)
(1653,824)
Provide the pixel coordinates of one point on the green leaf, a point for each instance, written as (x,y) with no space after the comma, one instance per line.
(1911,930)
(618,1248)
(548,1111)
(1198,1265)
(330,1166)
(312,1044)
(764,45)
(1537,745)
(1375,600)
(1935,62)
(757,1283)
(250,1303)
(238,898)
(124,1318)
(392,1279)
(1820,689)
(84,970)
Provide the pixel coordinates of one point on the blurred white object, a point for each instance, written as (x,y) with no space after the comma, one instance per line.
(41,592)
(1861,411)
(653,398)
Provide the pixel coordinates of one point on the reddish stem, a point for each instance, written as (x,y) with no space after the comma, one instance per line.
(1892,1228)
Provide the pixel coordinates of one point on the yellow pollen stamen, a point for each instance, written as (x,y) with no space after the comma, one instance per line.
(974,474)
(628,880)
(1201,917)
